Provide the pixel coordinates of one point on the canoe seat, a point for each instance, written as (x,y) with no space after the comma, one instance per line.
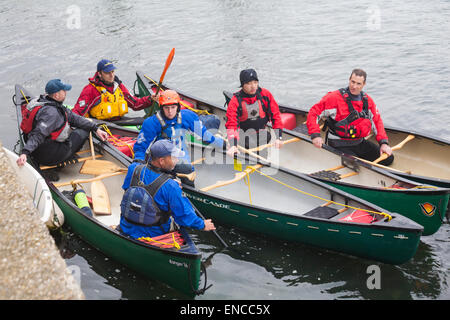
(331,175)
(326,174)
(322,212)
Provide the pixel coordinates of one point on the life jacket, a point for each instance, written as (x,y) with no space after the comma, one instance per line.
(165,126)
(29,111)
(356,125)
(138,205)
(255,115)
(111,105)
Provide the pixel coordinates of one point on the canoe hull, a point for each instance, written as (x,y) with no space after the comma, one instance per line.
(180,272)
(388,246)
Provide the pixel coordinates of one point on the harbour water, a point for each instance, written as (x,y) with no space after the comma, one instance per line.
(301,50)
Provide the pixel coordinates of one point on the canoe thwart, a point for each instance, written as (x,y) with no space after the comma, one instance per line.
(78,181)
(396,147)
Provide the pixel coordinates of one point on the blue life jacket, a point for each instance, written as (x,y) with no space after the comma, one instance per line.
(138,205)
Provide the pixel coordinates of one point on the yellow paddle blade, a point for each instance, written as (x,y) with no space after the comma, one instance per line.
(100,198)
(237,165)
(98,167)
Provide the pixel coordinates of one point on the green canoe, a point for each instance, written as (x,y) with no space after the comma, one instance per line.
(178,264)
(424,204)
(295,207)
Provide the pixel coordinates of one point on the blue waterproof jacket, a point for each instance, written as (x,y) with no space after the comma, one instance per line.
(174,131)
(168,197)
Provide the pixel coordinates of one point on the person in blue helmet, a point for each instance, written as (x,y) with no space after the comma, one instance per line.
(171,123)
(172,208)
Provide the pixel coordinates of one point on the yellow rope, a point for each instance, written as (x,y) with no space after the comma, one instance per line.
(174,243)
(119,143)
(314,196)
(247,182)
(425,187)
(197,111)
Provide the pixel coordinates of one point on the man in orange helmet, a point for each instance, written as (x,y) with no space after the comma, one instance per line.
(171,123)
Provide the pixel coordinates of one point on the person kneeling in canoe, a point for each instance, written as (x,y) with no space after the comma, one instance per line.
(161,206)
(170,122)
(47,127)
(106,97)
(350,115)
(249,110)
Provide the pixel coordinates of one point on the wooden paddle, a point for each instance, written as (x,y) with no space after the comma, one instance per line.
(252,153)
(214,231)
(151,110)
(100,198)
(396,147)
(264,146)
(76,160)
(238,176)
(78,181)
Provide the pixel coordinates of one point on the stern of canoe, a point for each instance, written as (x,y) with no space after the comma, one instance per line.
(181,272)
(380,244)
(426,208)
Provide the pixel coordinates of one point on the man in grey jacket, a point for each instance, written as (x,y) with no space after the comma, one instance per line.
(53,133)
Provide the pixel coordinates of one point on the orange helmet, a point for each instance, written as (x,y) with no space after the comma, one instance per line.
(168,97)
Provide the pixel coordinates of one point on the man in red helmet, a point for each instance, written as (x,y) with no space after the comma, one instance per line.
(350,115)
(249,111)
(106,97)
(171,123)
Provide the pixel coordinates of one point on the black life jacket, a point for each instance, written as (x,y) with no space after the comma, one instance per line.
(256,115)
(344,128)
(138,205)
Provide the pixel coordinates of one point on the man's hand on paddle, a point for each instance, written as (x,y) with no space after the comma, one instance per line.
(232,151)
(384,148)
(209,225)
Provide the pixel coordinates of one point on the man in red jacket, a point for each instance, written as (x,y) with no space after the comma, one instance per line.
(106,97)
(249,110)
(350,115)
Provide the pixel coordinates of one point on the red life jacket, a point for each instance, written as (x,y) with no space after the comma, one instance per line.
(29,112)
(356,125)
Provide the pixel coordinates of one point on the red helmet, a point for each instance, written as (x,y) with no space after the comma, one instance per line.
(168,97)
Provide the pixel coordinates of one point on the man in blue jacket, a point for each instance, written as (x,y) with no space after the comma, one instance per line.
(171,123)
(168,197)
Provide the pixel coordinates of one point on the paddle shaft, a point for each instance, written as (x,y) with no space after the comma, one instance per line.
(100,177)
(76,160)
(238,176)
(264,146)
(214,231)
(396,147)
(252,153)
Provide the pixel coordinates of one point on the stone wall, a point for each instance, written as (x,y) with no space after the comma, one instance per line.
(30,264)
